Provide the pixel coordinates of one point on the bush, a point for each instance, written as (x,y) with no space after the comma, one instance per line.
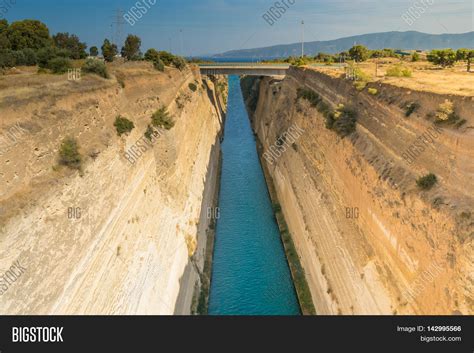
(162,119)
(159,65)
(427,182)
(95,66)
(123,125)
(411,108)
(445,111)
(342,121)
(7,58)
(44,55)
(149,132)
(398,71)
(69,153)
(59,65)
(193,87)
(30,57)
(179,63)
(373,91)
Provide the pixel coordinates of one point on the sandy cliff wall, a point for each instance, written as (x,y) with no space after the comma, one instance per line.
(142,225)
(370,241)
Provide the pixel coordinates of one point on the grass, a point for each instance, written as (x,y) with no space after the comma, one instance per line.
(427,182)
(162,119)
(123,125)
(69,153)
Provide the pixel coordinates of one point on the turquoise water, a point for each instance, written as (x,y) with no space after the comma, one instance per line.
(250,274)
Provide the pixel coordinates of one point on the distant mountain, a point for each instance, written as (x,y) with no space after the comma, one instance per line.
(395,40)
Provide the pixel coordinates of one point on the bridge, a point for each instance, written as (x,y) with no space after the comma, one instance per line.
(248,69)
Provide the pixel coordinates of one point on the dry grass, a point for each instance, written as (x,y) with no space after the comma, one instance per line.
(425,76)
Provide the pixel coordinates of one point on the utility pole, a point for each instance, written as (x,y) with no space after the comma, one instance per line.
(181,41)
(119,24)
(302,39)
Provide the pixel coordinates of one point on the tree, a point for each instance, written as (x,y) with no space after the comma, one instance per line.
(470,56)
(461,54)
(109,50)
(28,34)
(443,57)
(4,41)
(359,53)
(152,55)
(464,54)
(94,51)
(71,43)
(131,49)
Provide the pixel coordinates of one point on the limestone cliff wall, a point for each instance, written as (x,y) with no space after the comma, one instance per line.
(142,225)
(370,241)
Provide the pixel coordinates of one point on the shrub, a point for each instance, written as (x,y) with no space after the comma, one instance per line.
(193,87)
(312,97)
(445,111)
(411,108)
(373,91)
(149,132)
(95,66)
(59,65)
(159,65)
(342,121)
(44,55)
(427,182)
(69,153)
(161,118)
(398,71)
(7,58)
(30,57)
(123,125)
(179,63)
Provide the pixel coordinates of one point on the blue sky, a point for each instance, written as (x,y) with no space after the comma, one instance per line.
(190,27)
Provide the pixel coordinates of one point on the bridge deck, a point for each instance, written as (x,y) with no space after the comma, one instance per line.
(244,69)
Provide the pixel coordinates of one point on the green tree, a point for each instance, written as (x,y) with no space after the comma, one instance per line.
(71,43)
(93,51)
(4,41)
(461,54)
(464,54)
(109,50)
(359,53)
(442,57)
(131,49)
(28,34)
(152,55)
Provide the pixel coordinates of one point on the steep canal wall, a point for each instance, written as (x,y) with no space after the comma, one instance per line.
(369,239)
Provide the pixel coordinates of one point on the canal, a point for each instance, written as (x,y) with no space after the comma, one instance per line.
(250,274)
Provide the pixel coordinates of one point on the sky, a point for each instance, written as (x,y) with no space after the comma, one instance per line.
(192,28)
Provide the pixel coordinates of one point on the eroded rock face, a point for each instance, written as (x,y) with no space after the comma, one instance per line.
(124,235)
(370,240)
